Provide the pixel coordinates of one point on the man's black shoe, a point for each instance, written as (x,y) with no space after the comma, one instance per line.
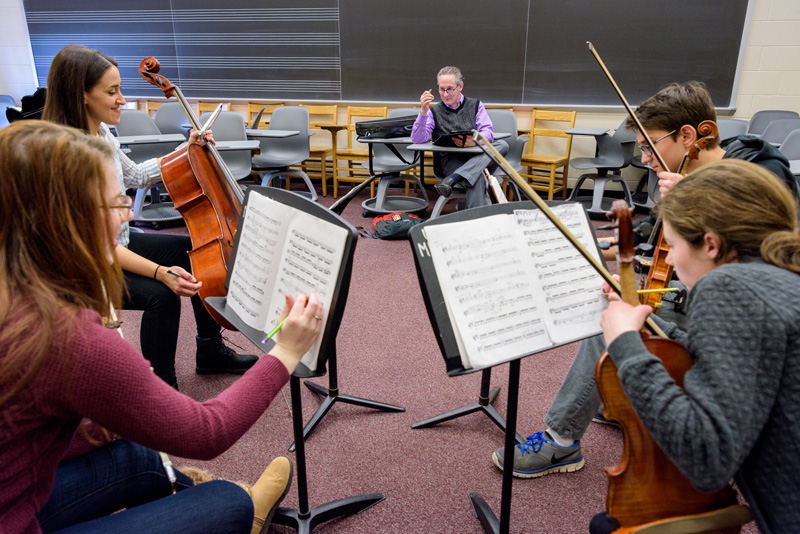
(445,187)
(214,357)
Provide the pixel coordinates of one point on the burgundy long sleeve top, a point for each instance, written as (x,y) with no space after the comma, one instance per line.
(98,375)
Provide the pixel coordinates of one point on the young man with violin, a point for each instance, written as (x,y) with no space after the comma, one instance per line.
(670,118)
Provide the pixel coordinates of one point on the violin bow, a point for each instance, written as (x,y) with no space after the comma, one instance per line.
(627,107)
(534,197)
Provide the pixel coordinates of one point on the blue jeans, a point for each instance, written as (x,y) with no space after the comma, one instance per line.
(577,400)
(123,475)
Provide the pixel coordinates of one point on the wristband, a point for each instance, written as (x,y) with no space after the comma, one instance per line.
(156,273)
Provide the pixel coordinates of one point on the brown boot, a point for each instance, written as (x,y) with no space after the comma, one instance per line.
(198,476)
(269,491)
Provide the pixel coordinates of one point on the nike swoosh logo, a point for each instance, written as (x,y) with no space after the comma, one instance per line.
(558,459)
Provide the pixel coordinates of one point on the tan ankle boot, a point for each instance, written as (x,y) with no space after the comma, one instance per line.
(269,491)
(267,494)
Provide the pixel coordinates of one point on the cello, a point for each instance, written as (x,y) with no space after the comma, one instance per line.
(206,194)
(645,486)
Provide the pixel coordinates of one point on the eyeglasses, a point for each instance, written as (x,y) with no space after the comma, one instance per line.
(124,203)
(647,150)
(448,90)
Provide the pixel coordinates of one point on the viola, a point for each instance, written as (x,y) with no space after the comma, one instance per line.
(206,194)
(645,485)
(660,272)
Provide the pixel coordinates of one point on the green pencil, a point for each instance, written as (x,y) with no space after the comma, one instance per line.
(277,329)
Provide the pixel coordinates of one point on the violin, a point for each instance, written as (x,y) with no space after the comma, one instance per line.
(645,486)
(649,486)
(660,272)
(206,194)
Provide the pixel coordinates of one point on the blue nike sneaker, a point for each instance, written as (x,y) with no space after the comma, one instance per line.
(540,456)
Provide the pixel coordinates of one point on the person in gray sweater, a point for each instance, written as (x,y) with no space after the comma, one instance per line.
(737,248)
(670,118)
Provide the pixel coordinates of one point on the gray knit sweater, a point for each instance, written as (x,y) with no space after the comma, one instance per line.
(739,412)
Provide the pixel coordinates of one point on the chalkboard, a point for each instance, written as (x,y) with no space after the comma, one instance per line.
(530,52)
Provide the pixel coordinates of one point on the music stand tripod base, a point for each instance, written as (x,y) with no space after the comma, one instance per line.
(484,404)
(332,395)
(319,514)
(304,519)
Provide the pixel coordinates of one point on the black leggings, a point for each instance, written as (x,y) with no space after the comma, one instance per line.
(162,308)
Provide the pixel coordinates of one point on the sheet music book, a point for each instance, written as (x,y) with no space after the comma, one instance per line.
(280,249)
(513,285)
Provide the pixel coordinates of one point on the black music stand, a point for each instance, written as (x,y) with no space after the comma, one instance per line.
(304,519)
(486,397)
(443,328)
(332,395)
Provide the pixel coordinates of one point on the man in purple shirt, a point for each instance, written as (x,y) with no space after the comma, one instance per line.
(456,113)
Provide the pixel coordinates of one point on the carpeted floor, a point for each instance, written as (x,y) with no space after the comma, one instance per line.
(387,352)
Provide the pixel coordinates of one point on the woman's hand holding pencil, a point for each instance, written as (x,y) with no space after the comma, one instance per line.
(298,329)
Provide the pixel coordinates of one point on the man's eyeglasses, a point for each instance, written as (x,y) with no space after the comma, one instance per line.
(647,150)
(124,202)
(448,90)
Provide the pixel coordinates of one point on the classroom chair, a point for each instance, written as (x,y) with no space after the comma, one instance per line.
(761,119)
(614,153)
(278,154)
(545,163)
(346,157)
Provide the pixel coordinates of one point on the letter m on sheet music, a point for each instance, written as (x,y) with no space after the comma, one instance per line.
(423,249)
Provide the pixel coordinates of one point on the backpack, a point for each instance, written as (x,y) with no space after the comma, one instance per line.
(392,226)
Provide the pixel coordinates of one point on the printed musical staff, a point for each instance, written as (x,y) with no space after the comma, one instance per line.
(283,250)
(513,284)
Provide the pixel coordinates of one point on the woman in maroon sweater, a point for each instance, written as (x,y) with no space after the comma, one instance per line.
(61,362)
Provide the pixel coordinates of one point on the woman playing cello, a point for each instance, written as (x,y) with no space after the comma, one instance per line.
(83,91)
(735,243)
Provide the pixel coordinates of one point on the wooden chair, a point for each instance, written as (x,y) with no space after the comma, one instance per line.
(152,107)
(206,107)
(253,110)
(544,168)
(346,157)
(317,162)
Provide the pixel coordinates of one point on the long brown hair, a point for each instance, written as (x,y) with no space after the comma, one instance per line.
(75,69)
(745,205)
(54,242)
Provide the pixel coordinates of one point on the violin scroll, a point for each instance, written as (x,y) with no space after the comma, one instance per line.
(148,69)
(708,128)
(709,131)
